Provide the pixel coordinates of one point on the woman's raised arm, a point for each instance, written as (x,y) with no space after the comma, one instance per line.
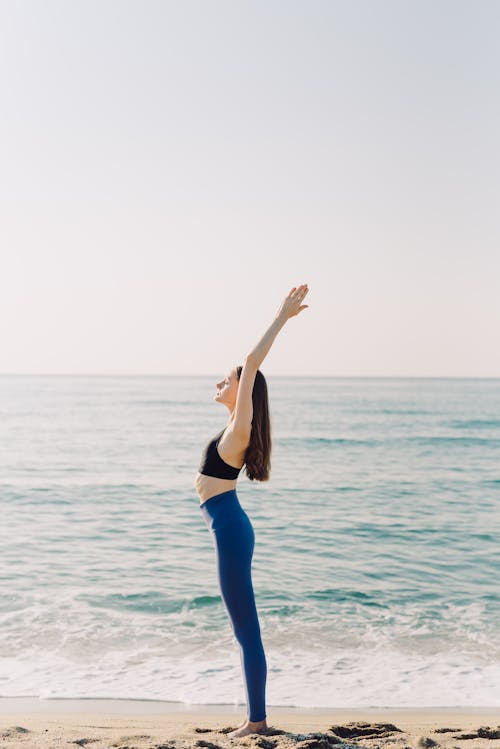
(289,307)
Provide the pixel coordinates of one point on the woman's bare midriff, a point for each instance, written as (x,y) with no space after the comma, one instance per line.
(209,486)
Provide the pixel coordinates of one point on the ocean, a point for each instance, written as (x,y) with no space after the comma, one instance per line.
(377,542)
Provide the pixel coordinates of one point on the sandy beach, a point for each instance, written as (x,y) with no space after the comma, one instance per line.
(135,724)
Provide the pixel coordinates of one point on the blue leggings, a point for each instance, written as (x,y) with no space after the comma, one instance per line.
(234,539)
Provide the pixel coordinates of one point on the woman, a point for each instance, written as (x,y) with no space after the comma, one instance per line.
(246,439)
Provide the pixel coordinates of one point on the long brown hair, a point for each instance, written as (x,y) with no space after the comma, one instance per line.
(258,453)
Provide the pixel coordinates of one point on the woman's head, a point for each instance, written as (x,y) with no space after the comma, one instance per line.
(227,389)
(258,454)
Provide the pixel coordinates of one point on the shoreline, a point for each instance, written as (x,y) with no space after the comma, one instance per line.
(152,724)
(151,706)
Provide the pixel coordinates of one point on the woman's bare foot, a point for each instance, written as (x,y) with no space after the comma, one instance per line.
(248,727)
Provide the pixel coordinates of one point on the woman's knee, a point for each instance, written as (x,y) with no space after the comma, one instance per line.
(247,632)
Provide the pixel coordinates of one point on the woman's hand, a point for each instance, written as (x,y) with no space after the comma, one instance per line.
(292,304)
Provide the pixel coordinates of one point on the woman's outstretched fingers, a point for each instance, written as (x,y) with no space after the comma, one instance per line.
(290,305)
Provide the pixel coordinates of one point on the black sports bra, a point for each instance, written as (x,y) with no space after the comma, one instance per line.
(211,463)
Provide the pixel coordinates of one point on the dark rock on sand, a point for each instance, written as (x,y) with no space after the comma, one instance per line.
(332,738)
(317,740)
(207,744)
(12,731)
(363,729)
(425,742)
(127,738)
(264,743)
(446,730)
(484,732)
(323,743)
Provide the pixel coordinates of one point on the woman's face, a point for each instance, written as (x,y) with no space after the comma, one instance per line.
(227,389)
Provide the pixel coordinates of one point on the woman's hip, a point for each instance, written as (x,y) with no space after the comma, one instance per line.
(223,511)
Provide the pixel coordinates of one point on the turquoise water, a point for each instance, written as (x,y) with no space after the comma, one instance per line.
(377,556)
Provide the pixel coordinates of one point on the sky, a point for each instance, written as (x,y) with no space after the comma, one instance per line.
(169,170)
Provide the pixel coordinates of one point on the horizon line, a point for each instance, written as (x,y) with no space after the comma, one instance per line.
(216,374)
